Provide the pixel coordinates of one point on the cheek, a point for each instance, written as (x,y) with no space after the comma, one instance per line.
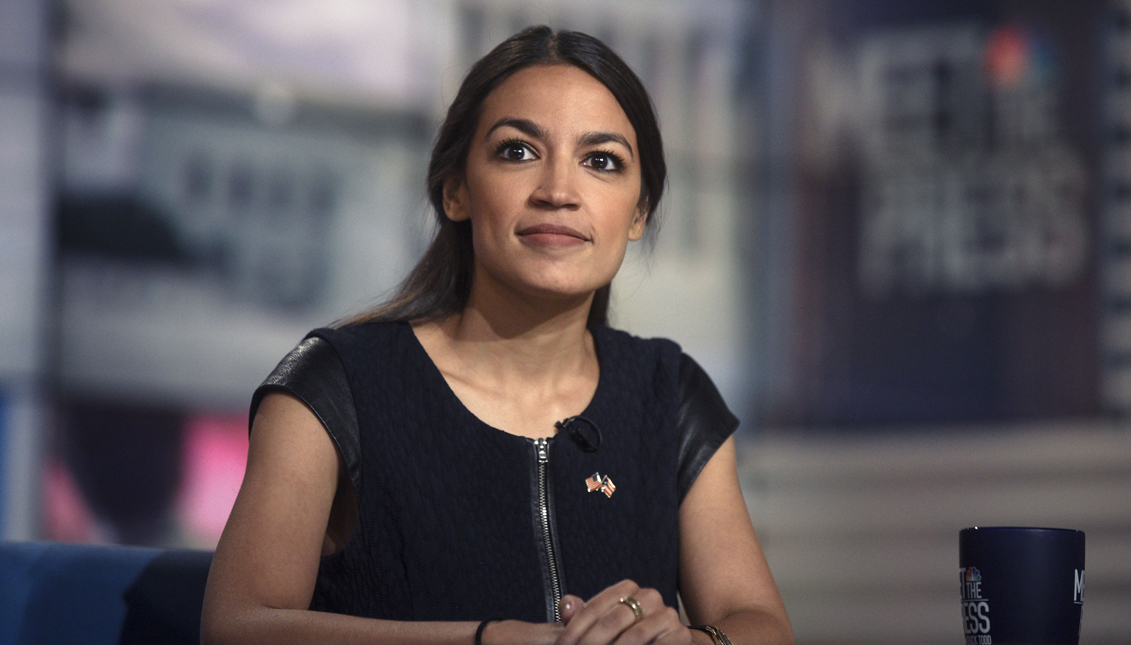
(491,226)
(494,203)
(627,219)
(628,202)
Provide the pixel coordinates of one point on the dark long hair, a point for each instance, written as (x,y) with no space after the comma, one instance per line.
(440,284)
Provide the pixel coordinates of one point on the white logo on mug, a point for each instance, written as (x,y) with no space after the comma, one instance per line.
(975,608)
(1078,591)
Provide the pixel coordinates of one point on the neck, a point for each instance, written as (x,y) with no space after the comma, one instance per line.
(515,335)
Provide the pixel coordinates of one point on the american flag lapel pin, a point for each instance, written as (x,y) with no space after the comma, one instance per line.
(596,482)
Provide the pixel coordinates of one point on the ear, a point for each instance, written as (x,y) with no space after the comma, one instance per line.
(455,198)
(639,223)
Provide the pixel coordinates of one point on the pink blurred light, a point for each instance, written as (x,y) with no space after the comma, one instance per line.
(66,516)
(215,456)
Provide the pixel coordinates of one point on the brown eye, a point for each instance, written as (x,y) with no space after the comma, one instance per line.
(604,162)
(514,151)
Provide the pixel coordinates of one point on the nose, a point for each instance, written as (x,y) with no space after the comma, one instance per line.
(556,186)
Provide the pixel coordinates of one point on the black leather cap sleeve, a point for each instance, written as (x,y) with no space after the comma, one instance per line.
(313,372)
(703,421)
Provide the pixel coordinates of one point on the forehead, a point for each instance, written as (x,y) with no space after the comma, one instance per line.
(559,98)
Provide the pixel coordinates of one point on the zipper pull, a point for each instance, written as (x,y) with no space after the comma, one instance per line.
(543,447)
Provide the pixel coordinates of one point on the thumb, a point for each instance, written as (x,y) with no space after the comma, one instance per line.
(568,607)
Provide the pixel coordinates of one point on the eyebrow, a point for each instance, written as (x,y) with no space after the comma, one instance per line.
(525,126)
(597,138)
(532,129)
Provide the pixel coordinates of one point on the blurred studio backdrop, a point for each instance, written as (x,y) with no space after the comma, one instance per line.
(897,235)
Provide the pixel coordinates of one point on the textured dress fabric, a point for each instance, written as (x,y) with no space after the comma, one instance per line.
(449,524)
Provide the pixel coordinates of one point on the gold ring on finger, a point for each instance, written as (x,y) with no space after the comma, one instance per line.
(633,604)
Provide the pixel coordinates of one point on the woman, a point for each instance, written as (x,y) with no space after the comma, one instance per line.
(406,482)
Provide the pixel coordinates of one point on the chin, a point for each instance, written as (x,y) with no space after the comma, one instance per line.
(565,285)
(564,293)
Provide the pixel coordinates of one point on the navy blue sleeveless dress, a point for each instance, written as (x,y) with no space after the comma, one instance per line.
(461,521)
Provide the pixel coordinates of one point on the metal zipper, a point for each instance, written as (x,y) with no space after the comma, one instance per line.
(542,451)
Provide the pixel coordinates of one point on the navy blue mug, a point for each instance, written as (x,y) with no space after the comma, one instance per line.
(1021,586)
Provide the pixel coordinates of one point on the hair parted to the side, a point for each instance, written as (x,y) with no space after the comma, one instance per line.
(440,284)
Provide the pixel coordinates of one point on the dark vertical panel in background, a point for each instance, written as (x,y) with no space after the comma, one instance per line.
(126,460)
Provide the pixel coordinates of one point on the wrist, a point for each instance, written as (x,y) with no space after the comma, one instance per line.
(715,636)
(700,638)
(517,632)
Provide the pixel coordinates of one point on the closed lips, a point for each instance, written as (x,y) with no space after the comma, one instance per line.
(552,229)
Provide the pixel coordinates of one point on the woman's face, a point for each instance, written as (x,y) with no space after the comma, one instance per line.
(552,185)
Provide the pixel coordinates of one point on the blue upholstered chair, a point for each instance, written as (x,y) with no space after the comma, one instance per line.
(83,594)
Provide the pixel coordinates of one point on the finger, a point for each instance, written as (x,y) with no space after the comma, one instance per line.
(594,610)
(656,618)
(620,618)
(679,634)
(662,626)
(569,606)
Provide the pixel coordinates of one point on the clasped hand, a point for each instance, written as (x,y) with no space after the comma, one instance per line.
(606,619)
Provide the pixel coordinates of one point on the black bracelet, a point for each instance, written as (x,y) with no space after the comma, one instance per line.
(479,632)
